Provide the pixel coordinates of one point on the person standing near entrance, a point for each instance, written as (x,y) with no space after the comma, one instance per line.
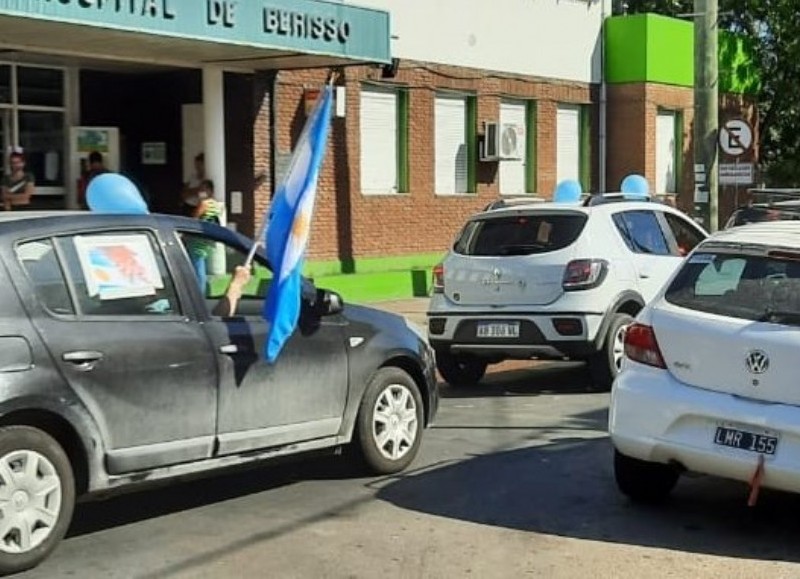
(204,207)
(195,183)
(18,185)
(95,167)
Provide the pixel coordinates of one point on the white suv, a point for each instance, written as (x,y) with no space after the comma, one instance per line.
(709,381)
(554,281)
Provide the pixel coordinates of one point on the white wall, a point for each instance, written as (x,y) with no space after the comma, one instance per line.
(549,38)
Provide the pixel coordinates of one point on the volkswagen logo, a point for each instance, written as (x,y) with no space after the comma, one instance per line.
(757,362)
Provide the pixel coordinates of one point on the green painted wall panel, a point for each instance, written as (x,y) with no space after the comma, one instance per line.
(310,26)
(659,49)
(374,264)
(670,51)
(626,54)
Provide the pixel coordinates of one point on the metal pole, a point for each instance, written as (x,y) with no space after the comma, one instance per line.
(706,104)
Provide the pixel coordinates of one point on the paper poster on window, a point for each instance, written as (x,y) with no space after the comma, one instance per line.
(118,266)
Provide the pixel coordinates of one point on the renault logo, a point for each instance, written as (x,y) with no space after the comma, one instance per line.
(757,362)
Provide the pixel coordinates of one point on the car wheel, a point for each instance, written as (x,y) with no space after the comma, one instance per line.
(390,421)
(37,497)
(606,364)
(643,481)
(460,370)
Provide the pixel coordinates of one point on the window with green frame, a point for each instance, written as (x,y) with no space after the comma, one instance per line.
(384,130)
(455,144)
(531,154)
(586,147)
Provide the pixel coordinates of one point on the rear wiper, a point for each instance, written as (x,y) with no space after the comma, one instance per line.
(521,248)
(771,315)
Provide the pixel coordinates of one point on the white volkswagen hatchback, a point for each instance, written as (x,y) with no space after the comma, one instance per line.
(708,384)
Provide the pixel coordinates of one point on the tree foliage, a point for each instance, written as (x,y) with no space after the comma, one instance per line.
(772,28)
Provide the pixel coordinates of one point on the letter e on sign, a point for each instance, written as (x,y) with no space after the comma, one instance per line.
(735,137)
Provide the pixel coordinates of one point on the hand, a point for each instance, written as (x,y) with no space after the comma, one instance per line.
(241,275)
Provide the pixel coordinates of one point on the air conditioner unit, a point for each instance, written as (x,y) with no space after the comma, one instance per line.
(502,141)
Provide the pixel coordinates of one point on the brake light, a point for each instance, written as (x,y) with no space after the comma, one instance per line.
(438,279)
(641,346)
(583,274)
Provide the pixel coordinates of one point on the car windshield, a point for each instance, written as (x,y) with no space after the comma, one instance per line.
(520,234)
(751,287)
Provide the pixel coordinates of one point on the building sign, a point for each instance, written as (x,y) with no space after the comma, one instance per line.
(736,173)
(299,25)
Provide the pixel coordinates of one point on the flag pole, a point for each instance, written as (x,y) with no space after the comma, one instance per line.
(259,239)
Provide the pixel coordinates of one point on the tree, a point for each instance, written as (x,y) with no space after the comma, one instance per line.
(772,29)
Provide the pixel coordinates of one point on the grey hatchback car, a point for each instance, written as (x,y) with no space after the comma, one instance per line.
(114,369)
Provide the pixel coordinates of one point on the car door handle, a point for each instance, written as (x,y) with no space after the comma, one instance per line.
(82,359)
(229,349)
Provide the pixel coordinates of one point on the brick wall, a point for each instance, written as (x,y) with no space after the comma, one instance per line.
(349,225)
(632,110)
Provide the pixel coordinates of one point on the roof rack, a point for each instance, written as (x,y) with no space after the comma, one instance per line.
(513,202)
(614,197)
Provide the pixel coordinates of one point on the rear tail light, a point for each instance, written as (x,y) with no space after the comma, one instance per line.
(584,274)
(438,279)
(641,346)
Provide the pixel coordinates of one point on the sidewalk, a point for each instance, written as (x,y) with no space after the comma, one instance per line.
(412,308)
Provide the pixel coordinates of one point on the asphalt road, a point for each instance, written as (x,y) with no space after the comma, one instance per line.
(514,481)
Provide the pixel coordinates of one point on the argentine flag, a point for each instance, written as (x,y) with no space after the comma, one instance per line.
(289,227)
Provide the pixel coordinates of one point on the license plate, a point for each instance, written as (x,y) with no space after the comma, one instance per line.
(743,440)
(498,330)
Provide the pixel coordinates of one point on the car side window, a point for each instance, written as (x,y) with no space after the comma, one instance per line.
(641,232)
(220,259)
(43,269)
(119,274)
(687,236)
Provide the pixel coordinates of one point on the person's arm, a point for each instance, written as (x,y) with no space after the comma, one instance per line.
(30,188)
(226,307)
(6,198)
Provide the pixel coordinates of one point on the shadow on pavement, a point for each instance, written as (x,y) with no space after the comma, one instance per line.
(526,379)
(566,488)
(173,497)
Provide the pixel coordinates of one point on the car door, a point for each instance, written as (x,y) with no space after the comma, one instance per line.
(653,259)
(108,310)
(300,397)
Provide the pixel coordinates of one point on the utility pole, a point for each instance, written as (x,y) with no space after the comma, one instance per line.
(706,107)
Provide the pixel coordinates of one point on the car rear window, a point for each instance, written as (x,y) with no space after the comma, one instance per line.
(756,214)
(525,234)
(762,288)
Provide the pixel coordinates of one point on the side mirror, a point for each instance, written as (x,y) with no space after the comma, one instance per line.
(329,303)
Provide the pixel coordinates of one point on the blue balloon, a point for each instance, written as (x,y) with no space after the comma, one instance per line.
(568,191)
(114,193)
(635,185)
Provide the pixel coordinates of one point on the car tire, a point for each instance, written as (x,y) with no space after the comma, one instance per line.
(390,421)
(42,485)
(605,364)
(460,370)
(643,481)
